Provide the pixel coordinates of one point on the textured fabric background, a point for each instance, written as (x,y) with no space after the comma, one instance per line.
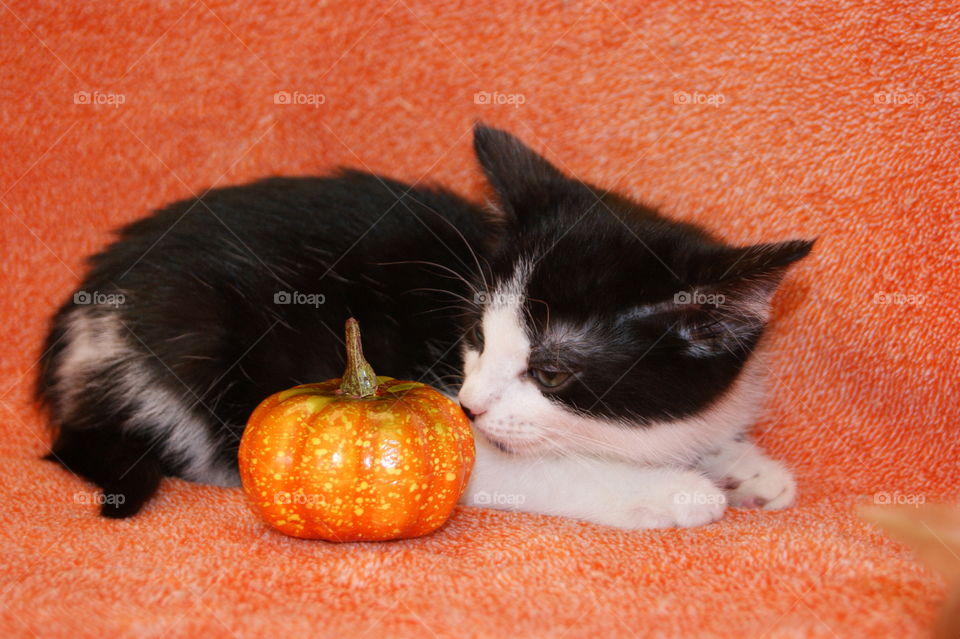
(761,121)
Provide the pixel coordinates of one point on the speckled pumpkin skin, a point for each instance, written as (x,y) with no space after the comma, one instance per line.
(319,464)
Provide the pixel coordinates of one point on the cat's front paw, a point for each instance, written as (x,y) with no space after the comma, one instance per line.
(760,482)
(684,500)
(750,478)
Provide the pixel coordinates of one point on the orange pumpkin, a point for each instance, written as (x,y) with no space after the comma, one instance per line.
(361,458)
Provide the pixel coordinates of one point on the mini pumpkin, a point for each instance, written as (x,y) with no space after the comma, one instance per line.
(360,458)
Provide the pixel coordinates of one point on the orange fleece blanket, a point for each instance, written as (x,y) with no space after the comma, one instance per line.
(763,121)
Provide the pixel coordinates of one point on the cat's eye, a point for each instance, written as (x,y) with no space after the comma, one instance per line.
(548,379)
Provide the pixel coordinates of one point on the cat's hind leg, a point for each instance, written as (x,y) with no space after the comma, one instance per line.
(121,463)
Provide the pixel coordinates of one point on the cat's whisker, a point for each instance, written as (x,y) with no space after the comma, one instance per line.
(592,443)
(464,310)
(546,305)
(581,458)
(441,290)
(463,239)
(453,274)
(579,438)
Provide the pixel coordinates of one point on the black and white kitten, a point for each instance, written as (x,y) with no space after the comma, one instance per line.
(608,355)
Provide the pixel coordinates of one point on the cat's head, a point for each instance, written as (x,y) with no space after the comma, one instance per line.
(599,319)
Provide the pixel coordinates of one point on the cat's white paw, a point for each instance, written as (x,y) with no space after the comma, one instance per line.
(760,482)
(680,500)
(750,478)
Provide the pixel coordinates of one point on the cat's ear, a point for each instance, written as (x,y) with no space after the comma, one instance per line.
(729,305)
(522,179)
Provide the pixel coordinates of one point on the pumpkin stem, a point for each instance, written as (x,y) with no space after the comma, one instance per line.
(359,380)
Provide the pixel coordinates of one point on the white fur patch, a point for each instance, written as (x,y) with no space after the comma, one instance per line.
(98,345)
(496,388)
(89,340)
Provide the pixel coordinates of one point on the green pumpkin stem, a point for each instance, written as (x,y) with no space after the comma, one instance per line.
(359,380)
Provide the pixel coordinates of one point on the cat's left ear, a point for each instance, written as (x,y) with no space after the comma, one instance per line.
(728,307)
(522,179)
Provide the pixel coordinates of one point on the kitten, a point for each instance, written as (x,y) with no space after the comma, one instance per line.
(609,356)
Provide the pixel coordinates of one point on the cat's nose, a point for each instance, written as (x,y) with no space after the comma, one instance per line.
(469,413)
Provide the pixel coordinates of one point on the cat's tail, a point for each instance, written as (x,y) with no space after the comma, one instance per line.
(121,463)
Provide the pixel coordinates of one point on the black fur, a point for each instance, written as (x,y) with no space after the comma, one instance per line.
(199,279)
